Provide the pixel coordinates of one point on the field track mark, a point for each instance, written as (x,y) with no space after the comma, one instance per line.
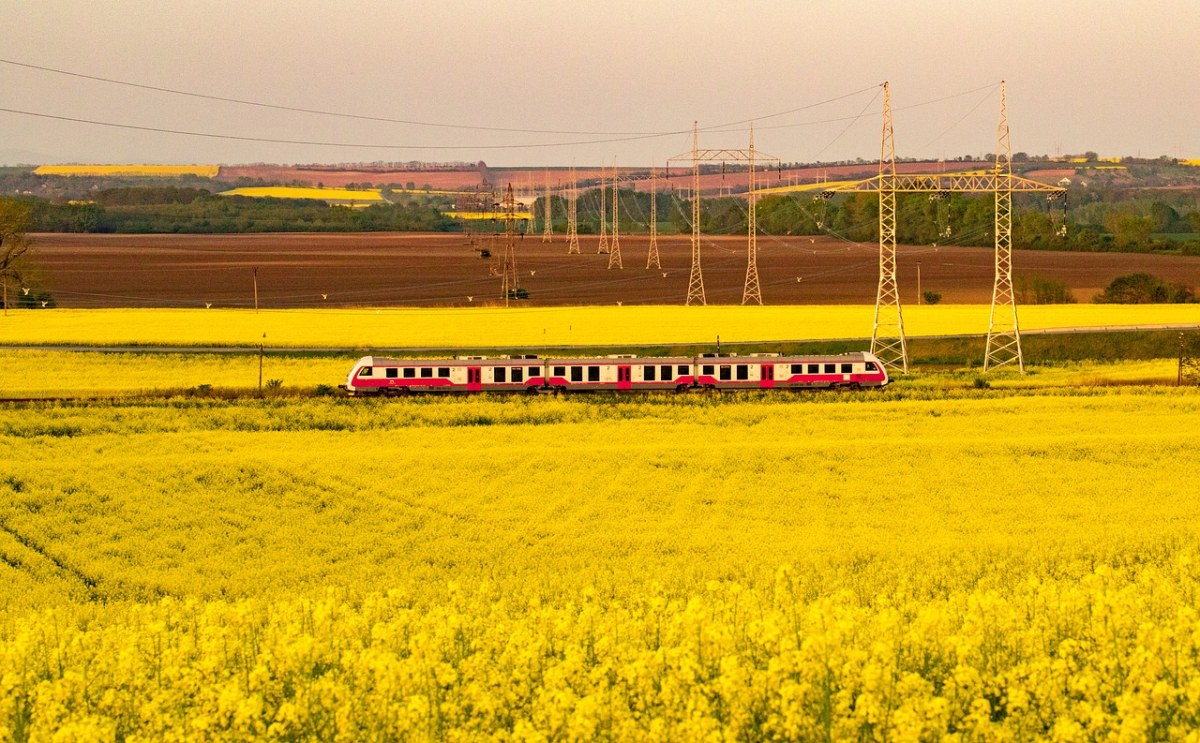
(91,584)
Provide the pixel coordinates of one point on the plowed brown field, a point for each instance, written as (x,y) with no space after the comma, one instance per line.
(406,269)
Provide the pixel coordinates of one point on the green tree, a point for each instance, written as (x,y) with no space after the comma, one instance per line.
(14,245)
(1143,288)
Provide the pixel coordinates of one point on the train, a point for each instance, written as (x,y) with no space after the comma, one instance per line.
(376,375)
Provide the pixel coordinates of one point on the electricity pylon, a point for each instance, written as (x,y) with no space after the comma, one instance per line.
(572,217)
(532,194)
(603,246)
(887,338)
(696,156)
(752,291)
(614,254)
(548,230)
(652,256)
(508,282)
(1004,340)
(1004,335)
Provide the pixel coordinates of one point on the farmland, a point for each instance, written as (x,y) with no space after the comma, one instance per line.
(146,171)
(989,563)
(404,269)
(328,195)
(494,327)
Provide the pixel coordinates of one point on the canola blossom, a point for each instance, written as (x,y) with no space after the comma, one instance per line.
(204,171)
(969,565)
(474,327)
(333,195)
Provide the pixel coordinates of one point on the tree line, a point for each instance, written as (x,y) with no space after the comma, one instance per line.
(185,210)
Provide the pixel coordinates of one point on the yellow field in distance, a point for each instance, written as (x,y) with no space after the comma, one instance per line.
(204,171)
(332,195)
(492,326)
(487,215)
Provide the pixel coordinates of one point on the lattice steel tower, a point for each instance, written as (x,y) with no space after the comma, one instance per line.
(508,282)
(887,338)
(1004,335)
(603,246)
(547,229)
(573,217)
(531,193)
(652,256)
(614,254)
(752,291)
(696,278)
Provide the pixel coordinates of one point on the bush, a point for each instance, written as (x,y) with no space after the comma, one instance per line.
(1144,288)
(931,297)
(1041,290)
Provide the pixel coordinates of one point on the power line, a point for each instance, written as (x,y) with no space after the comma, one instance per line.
(299,109)
(314,143)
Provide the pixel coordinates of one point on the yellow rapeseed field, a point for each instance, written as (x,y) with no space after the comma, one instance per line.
(39,373)
(539,326)
(984,565)
(204,171)
(332,195)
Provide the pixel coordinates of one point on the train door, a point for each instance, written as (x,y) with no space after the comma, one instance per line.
(767,378)
(624,377)
(474,375)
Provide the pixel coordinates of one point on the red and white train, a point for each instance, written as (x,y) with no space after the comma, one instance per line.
(374,375)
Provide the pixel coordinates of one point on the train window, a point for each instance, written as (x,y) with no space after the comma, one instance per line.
(683,370)
(593,374)
(391,373)
(560,371)
(831,368)
(426,372)
(499,374)
(535,371)
(726,372)
(576,373)
(814,368)
(847,368)
(443,371)
(797,368)
(871,366)
(743,372)
(365,371)
(409,373)
(518,374)
(707,370)
(648,373)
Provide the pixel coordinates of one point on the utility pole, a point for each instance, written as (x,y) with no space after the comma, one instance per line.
(547,229)
(614,254)
(652,258)
(256,290)
(603,246)
(752,290)
(1004,334)
(573,217)
(509,280)
(1179,374)
(696,278)
(261,343)
(887,338)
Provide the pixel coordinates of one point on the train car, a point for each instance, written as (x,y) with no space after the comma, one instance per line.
(772,371)
(619,372)
(384,376)
(376,375)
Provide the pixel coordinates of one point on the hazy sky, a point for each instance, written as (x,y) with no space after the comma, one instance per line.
(1113,76)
